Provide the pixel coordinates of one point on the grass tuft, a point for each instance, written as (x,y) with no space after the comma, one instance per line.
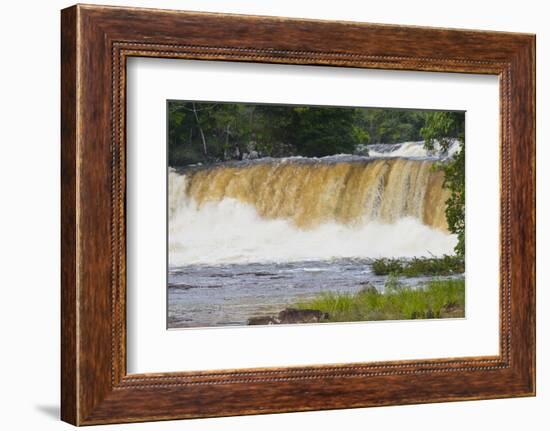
(418,266)
(437,299)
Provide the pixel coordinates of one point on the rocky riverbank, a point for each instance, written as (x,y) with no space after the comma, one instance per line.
(291,315)
(441,298)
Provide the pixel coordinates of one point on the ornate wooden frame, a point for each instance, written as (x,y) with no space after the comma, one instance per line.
(95,43)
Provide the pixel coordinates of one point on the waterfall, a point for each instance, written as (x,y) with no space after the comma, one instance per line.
(310,194)
(299,208)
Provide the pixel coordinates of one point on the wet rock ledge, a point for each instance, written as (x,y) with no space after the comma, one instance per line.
(290,315)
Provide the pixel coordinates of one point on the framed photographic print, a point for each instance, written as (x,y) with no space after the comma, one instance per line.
(266,215)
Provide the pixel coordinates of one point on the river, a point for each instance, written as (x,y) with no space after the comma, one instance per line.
(228,295)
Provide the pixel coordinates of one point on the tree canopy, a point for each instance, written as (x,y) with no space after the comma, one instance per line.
(438,129)
(200,132)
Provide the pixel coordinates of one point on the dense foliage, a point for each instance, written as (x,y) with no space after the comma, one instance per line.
(213,132)
(438,132)
(419,266)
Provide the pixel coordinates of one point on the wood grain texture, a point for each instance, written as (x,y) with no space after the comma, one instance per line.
(69,397)
(96,41)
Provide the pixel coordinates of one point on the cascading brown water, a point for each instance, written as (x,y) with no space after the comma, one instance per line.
(310,194)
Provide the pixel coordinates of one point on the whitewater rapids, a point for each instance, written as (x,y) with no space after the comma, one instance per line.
(232,232)
(304,210)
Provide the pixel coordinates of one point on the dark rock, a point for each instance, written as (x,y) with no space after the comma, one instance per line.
(263,320)
(295,315)
(290,315)
(181,286)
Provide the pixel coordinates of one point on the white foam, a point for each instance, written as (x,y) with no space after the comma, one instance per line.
(230,231)
(412,150)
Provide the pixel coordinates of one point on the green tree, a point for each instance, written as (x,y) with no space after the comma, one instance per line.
(203,132)
(439,132)
(318,132)
(181,127)
(388,126)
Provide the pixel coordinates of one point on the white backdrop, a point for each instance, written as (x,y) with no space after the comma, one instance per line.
(29,228)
